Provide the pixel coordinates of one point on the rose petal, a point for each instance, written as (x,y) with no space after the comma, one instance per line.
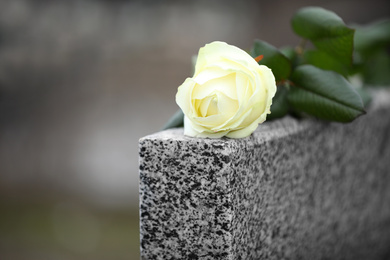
(204,105)
(217,51)
(226,105)
(191,130)
(209,73)
(225,84)
(245,132)
(230,94)
(183,95)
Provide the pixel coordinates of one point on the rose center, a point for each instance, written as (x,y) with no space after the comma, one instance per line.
(213,106)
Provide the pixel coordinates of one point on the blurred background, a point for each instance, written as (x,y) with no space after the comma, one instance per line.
(80,83)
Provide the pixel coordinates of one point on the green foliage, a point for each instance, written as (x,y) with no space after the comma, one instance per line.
(273,59)
(326,31)
(318,81)
(365,94)
(372,36)
(313,81)
(279,107)
(289,52)
(324,94)
(372,52)
(177,120)
(375,68)
(324,61)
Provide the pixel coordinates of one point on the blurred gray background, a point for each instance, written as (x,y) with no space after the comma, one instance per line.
(80,83)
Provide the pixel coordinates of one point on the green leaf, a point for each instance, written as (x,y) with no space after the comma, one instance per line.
(292,54)
(273,59)
(177,120)
(326,31)
(289,52)
(365,95)
(280,105)
(324,61)
(324,94)
(371,37)
(376,69)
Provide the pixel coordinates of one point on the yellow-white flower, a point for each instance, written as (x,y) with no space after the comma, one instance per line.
(229,94)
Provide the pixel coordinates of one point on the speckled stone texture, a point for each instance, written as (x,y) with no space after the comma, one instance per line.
(292,190)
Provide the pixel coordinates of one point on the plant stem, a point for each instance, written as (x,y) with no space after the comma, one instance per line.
(301,47)
(284,82)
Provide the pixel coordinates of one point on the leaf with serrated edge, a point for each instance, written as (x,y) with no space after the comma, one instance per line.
(324,94)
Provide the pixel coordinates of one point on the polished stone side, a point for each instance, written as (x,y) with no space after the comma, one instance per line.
(292,190)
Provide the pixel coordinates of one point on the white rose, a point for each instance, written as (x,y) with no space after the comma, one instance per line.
(229,94)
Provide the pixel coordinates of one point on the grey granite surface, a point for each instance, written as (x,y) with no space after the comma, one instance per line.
(292,190)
